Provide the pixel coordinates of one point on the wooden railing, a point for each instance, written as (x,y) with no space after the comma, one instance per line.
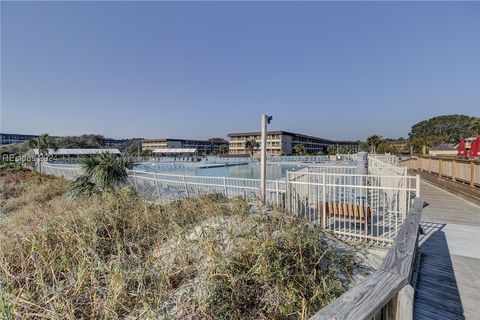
(388,292)
(465,171)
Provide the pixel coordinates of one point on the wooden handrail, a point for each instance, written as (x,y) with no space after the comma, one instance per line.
(457,170)
(375,292)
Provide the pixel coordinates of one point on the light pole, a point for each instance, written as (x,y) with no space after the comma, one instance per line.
(263,158)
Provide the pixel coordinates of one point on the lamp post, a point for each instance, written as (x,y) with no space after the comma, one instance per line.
(263,158)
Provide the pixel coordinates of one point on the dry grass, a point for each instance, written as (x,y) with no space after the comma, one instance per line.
(114,256)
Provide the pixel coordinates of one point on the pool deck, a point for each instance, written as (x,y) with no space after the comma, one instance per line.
(216,165)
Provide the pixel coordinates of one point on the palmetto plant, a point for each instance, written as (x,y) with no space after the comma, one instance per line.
(46,143)
(101,172)
(251,145)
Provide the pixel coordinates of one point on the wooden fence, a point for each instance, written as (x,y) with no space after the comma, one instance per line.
(387,293)
(465,171)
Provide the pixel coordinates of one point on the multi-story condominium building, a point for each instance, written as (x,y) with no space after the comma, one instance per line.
(283,143)
(11,138)
(202,146)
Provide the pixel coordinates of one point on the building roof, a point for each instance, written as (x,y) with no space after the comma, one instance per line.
(257,133)
(58,152)
(444,146)
(175,150)
(211,140)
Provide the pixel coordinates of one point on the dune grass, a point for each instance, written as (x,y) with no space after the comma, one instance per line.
(114,256)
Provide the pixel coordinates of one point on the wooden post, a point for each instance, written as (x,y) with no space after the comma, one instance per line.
(472,174)
(405,303)
(439,167)
(391,308)
(454,168)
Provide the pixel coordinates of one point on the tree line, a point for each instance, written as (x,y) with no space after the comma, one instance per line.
(446,129)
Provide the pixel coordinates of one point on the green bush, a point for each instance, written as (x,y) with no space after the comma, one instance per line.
(114,256)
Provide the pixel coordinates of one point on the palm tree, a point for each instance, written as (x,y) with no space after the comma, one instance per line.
(251,145)
(101,172)
(300,149)
(373,141)
(46,143)
(223,149)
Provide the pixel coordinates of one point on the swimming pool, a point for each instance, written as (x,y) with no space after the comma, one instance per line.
(249,171)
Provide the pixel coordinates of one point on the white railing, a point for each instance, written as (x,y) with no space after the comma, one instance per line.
(162,188)
(368,208)
(358,207)
(332,169)
(385,165)
(209,159)
(386,158)
(67,171)
(220,159)
(298,158)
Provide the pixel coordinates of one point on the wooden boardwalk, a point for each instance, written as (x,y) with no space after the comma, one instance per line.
(448,285)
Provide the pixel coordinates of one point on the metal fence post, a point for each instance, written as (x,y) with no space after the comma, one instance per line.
(277,194)
(287,192)
(186,188)
(324,210)
(225,186)
(135,181)
(417,191)
(156,184)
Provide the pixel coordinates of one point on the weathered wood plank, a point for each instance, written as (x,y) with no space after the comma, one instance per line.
(405,303)
(365,299)
(401,255)
(368,297)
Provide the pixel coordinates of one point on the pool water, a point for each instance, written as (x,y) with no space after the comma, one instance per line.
(249,171)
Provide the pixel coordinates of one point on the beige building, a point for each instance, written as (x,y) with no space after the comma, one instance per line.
(202,146)
(283,143)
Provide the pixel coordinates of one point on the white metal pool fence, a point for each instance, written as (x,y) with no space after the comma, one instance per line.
(385,165)
(385,158)
(368,208)
(359,207)
(220,159)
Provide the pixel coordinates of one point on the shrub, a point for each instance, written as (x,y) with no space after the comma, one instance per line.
(113,256)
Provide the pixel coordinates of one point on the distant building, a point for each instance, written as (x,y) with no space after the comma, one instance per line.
(12,138)
(398,144)
(283,143)
(444,149)
(109,142)
(202,146)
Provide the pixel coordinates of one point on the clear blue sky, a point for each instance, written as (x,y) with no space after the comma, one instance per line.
(340,70)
